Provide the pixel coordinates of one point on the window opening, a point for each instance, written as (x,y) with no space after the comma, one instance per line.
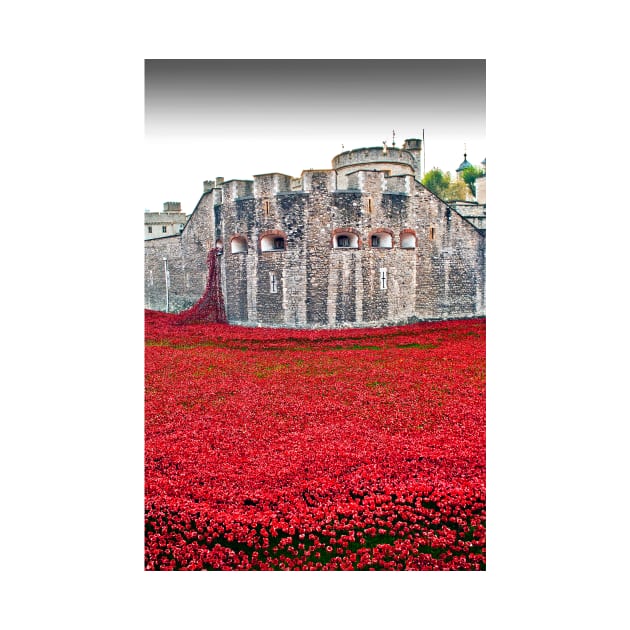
(238,245)
(273,282)
(266,207)
(272,243)
(381,240)
(432,233)
(163,228)
(383,276)
(343,241)
(408,240)
(150,230)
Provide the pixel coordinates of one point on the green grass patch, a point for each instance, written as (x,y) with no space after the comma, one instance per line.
(376,384)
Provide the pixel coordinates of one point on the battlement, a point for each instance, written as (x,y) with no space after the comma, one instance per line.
(269,184)
(237,188)
(172,206)
(371,155)
(210,184)
(413,144)
(362,243)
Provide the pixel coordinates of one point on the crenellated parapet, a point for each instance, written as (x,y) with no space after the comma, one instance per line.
(361,244)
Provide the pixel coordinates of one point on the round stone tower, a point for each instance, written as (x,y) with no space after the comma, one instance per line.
(391,159)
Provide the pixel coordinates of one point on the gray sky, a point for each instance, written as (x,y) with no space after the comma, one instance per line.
(239,118)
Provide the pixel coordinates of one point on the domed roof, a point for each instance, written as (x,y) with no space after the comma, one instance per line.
(464,164)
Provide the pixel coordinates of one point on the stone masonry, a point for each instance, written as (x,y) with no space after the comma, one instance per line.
(363,244)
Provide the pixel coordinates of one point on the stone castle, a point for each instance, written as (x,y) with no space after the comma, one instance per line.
(361,244)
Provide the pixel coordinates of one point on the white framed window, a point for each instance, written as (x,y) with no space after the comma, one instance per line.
(382,274)
(381,239)
(164,228)
(272,243)
(238,245)
(408,240)
(346,240)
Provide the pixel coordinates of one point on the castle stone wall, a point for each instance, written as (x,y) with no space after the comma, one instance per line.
(411,256)
(186,260)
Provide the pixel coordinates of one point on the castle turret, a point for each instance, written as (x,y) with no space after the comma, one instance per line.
(414,146)
(392,160)
(172,206)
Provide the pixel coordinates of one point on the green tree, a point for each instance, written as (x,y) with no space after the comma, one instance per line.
(470,175)
(437,181)
(457,191)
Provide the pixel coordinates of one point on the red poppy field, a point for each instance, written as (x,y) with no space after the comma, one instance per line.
(278,449)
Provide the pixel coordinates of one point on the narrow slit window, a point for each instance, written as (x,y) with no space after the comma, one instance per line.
(383,278)
(150,230)
(163,228)
(266,207)
(431,233)
(369,205)
(273,282)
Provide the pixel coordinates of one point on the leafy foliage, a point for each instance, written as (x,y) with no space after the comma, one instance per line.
(457,190)
(437,182)
(470,175)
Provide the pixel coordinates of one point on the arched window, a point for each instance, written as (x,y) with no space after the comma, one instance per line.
(345,240)
(274,241)
(408,239)
(381,239)
(238,245)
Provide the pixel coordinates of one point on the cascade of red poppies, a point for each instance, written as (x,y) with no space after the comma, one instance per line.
(210,308)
